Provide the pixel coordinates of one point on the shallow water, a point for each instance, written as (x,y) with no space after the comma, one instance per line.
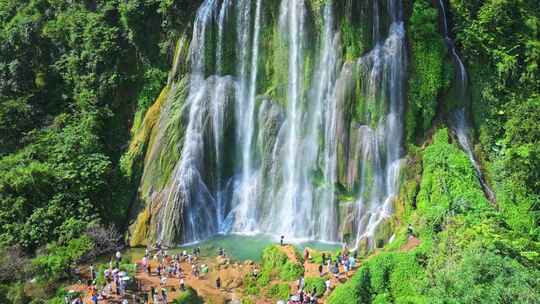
(238,247)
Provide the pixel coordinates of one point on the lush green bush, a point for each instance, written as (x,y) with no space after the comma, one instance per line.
(315,284)
(449,183)
(189,296)
(57,261)
(291,271)
(483,276)
(279,291)
(13,294)
(273,257)
(499,42)
(250,285)
(428,76)
(275,263)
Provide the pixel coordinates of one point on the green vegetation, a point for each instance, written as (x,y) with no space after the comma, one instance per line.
(467,254)
(83,85)
(429,72)
(500,42)
(189,296)
(276,264)
(58,259)
(74,78)
(280,291)
(315,284)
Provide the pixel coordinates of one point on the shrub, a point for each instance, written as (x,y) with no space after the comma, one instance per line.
(279,291)
(291,271)
(250,285)
(273,257)
(189,296)
(317,284)
(57,262)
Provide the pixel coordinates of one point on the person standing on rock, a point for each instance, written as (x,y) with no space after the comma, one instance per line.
(321,269)
(281,240)
(218,283)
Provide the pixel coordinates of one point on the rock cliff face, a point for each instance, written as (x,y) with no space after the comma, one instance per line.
(279,117)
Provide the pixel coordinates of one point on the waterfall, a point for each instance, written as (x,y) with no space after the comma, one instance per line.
(257,159)
(246,190)
(459,121)
(378,148)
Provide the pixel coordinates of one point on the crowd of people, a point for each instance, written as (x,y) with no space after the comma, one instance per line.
(117,282)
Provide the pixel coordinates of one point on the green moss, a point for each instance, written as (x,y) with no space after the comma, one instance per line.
(350,40)
(277,68)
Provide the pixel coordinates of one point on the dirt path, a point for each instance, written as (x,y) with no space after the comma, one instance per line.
(231,275)
(412,243)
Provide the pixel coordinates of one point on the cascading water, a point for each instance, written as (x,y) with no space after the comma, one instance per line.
(377,149)
(278,163)
(458,117)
